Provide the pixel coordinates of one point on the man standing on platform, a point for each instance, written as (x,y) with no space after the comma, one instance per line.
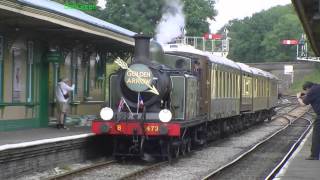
(312,96)
(62,97)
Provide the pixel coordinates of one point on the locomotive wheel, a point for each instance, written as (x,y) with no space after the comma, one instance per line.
(169,154)
(188,146)
(183,148)
(176,151)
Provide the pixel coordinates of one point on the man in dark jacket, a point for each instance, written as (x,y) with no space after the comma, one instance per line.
(312,96)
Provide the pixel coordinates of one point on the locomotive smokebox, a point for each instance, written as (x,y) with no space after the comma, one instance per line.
(141,49)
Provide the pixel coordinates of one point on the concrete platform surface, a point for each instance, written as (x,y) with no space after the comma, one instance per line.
(36,136)
(297,168)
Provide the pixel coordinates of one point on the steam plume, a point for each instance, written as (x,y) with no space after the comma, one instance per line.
(172,21)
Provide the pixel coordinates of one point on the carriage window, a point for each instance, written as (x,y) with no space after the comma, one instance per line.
(244,85)
(1,67)
(229,85)
(226,88)
(256,88)
(235,85)
(225,85)
(220,84)
(232,85)
(217,84)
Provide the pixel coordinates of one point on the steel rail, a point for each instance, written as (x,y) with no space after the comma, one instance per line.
(210,175)
(294,147)
(142,171)
(81,170)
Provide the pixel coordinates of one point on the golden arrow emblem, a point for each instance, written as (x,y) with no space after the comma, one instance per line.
(124,65)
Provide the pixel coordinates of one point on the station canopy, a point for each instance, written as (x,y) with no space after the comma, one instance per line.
(309,14)
(53,19)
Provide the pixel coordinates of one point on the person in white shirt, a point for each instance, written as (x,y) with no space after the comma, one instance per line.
(62,97)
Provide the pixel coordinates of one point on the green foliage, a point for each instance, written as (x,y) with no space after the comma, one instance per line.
(258,38)
(197,12)
(144,15)
(137,15)
(313,77)
(77,1)
(81,2)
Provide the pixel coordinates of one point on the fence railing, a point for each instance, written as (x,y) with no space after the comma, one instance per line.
(210,45)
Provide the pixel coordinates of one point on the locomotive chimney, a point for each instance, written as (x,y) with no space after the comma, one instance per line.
(141,49)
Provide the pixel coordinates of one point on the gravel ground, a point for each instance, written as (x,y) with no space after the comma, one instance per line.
(110,172)
(191,167)
(219,153)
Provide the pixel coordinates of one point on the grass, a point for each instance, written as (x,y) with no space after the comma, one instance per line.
(313,77)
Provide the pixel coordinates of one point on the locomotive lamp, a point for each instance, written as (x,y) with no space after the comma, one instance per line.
(165,115)
(106,113)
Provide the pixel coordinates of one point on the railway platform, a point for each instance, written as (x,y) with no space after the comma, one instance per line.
(28,137)
(31,150)
(298,168)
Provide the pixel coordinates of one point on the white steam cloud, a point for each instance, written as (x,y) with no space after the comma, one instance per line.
(172,22)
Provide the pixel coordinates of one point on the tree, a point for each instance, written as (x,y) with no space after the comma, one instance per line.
(257,38)
(137,15)
(197,12)
(288,27)
(144,15)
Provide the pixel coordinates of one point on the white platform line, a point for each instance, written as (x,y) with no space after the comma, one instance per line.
(43,141)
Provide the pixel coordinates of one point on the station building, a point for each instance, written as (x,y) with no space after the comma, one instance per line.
(42,41)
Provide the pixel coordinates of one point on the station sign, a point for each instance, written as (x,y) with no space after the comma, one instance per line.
(138,78)
(288,69)
(54,57)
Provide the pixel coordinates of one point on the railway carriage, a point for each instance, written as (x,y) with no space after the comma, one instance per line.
(178,97)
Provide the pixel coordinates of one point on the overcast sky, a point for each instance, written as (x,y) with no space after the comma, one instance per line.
(238,9)
(232,9)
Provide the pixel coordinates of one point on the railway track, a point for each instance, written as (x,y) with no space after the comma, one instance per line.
(146,168)
(81,170)
(266,158)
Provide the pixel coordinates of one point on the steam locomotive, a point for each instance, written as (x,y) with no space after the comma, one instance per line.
(175,97)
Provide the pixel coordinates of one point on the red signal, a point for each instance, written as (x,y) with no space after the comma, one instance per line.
(290,42)
(212,36)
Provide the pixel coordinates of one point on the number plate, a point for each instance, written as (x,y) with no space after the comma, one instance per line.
(151,128)
(118,127)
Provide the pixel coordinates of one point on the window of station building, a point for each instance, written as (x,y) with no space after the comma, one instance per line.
(19,70)
(96,78)
(30,47)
